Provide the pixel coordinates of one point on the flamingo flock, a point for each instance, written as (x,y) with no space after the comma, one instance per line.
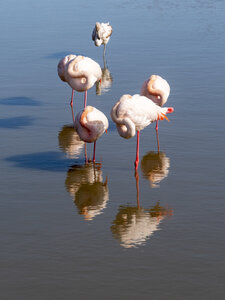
(131,114)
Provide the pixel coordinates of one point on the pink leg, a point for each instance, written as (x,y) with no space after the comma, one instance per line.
(137,187)
(71,101)
(85,99)
(157,126)
(85,153)
(157,138)
(71,104)
(137,152)
(94,152)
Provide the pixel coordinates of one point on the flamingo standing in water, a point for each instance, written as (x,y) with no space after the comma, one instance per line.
(80,73)
(101,34)
(90,124)
(157,89)
(134,113)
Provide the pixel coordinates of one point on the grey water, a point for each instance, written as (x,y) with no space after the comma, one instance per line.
(75,230)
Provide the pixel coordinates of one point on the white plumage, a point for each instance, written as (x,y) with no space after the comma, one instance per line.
(101,33)
(134,113)
(79,72)
(157,89)
(90,124)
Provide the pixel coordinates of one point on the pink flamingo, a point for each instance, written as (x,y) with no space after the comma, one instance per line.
(80,73)
(90,124)
(134,113)
(101,34)
(157,89)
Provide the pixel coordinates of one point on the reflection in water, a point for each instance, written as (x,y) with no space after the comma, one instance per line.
(155,167)
(133,225)
(106,82)
(69,141)
(85,184)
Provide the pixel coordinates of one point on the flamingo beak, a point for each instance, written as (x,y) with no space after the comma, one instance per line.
(170,110)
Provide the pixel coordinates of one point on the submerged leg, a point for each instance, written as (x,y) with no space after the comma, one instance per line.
(137,152)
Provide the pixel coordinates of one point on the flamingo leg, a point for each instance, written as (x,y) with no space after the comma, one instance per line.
(157,138)
(85,153)
(94,152)
(137,187)
(71,105)
(157,125)
(137,152)
(71,101)
(85,98)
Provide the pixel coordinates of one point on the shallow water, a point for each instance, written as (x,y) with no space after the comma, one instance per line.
(76,230)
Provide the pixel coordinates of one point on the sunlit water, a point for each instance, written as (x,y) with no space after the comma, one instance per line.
(74,230)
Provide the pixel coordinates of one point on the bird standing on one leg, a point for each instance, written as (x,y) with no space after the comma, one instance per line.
(134,113)
(157,89)
(90,124)
(101,34)
(80,73)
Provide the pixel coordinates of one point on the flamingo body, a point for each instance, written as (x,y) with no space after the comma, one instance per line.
(101,33)
(157,89)
(79,72)
(90,124)
(134,113)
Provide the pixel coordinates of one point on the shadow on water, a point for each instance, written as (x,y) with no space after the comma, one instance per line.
(23,101)
(16,122)
(46,161)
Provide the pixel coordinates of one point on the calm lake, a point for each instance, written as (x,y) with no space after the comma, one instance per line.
(76,230)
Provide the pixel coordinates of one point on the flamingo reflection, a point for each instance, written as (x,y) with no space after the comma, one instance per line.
(70,142)
(133,225)
(106,82)
(85,184)
(155,167)
(104,85)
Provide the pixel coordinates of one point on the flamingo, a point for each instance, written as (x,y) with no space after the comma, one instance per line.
(90,124)
(134,113)
(80,73)
(157,89)
(101,34)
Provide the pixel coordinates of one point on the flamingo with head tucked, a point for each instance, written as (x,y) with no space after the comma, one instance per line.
(90,124)
(134,113)
(101,34)
(80,73)
(157,89)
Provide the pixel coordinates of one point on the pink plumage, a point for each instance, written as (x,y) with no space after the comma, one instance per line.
(134,113)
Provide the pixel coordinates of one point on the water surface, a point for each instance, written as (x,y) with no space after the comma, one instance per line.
(71,229)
